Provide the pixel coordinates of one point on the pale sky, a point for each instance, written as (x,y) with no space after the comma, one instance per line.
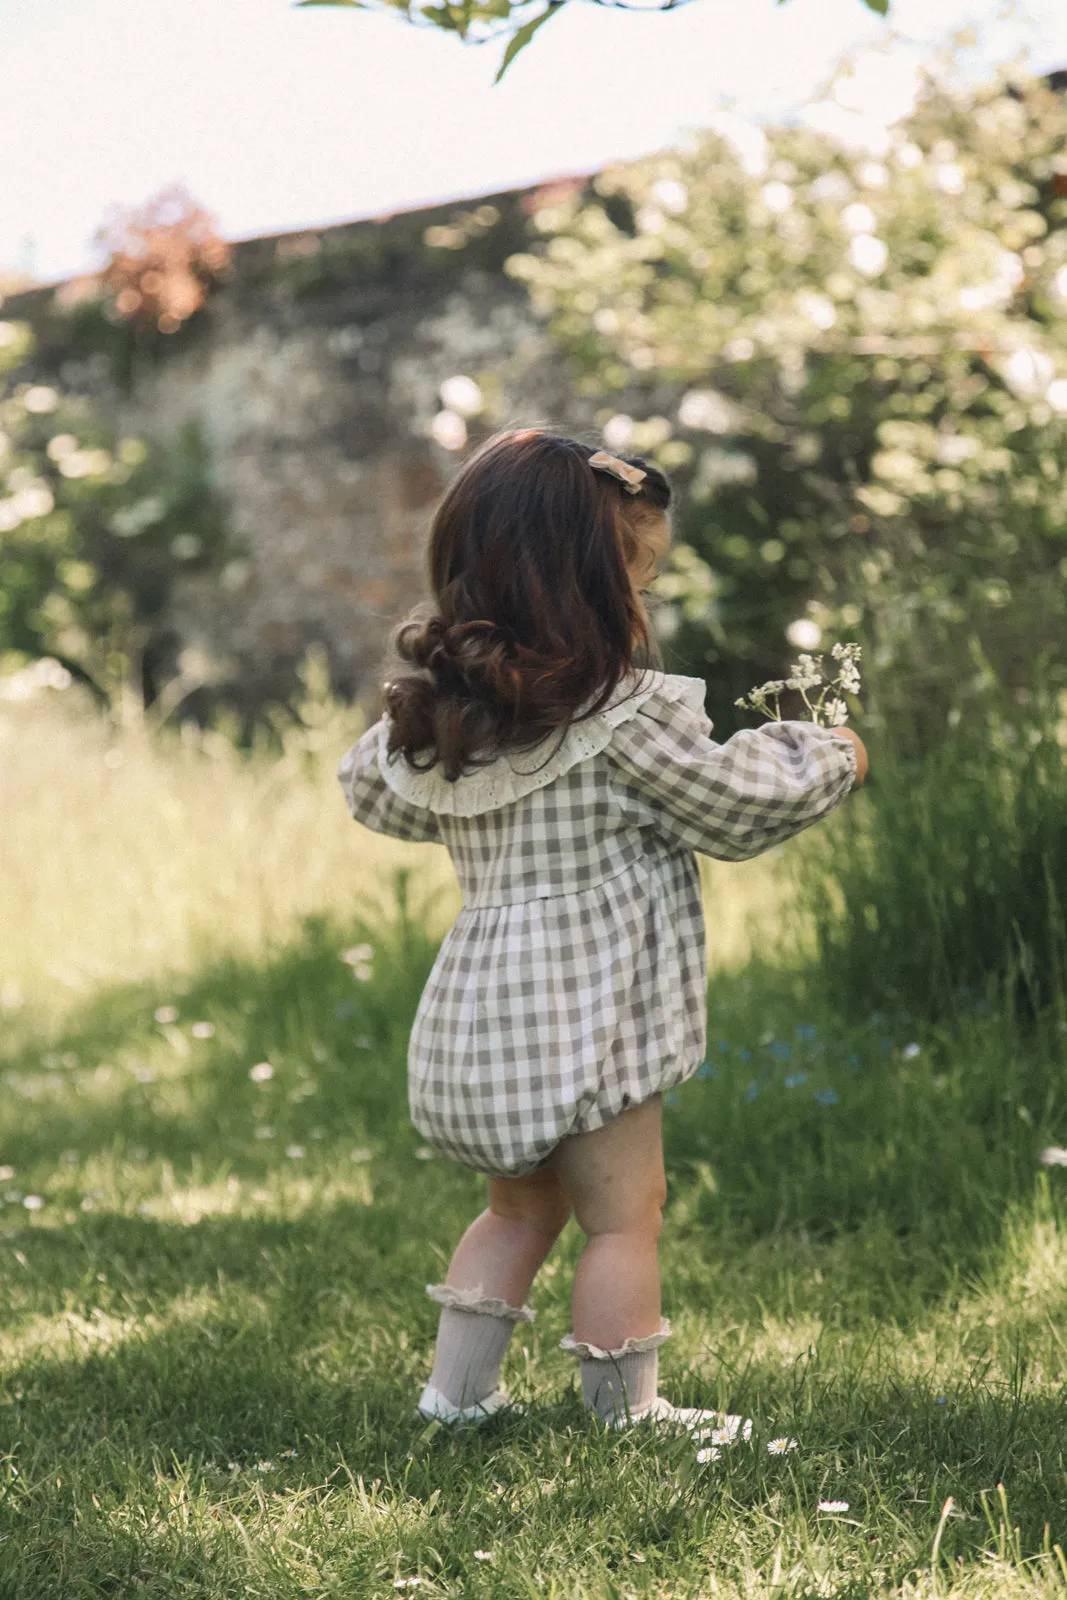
(278,118)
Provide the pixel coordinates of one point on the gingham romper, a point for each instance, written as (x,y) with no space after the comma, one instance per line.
(573,982)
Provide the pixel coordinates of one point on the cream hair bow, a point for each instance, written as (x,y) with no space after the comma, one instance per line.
(631,478)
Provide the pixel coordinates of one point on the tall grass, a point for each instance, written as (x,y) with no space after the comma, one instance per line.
(944,886)
(125,856)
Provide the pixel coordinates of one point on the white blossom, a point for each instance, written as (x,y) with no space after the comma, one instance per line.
(868,254)
(449,430)
(1056,395)
(777,197)
(462,395)
(803,633)
(950,178)
(805,673)
(1029,372)
(858,218)
(672,196)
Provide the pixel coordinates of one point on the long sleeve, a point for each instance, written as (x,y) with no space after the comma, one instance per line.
(738,799)
(372,802)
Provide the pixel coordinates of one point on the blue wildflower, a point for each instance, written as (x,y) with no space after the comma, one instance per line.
(706,1069)
(671,1100)
(853,1061)
(827,1097)
(806,1031)
(752,1091)
(795,1079)
(724,1046)
(887,1044)
(782,1051)
(940,1400)
(746,1055)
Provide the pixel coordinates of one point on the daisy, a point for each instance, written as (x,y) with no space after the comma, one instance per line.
(778,1447)
(833,1506)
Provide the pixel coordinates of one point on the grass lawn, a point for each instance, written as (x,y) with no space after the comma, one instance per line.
(217,1223)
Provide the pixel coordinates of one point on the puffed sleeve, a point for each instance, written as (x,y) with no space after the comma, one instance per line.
(733,800)
(373,803)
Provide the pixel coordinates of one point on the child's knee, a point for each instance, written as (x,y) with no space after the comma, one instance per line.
(538,1201)
(628,1208)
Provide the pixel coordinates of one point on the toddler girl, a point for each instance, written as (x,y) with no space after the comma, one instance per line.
(571,791)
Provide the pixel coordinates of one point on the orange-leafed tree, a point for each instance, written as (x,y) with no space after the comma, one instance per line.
(164,258)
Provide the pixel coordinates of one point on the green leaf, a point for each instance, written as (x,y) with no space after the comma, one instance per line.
(880,6)
(522,36)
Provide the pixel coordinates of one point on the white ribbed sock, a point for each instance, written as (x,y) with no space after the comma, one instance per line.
(472,1336)
(623,1381)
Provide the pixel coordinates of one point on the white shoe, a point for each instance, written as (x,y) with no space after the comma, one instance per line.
(435,1406)
(716,1427)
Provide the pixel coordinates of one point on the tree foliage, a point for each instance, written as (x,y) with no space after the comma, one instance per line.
(856,364)
(163,259)
(94,528)
(483,21)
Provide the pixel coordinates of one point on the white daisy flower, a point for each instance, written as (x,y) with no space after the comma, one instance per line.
(166,1013)
(483,1555)
(203,1030)
(262,1072)
(711,1453)
(778,1447)
(833,1506)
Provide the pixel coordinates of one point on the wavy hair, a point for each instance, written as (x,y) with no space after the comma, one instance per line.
(535,614)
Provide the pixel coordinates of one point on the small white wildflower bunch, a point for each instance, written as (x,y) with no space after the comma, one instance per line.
(827,709)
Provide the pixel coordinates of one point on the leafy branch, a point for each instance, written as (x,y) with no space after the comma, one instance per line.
(482,21)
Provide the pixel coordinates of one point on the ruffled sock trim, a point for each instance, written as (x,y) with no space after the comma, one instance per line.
(446,1294)
(593,1352)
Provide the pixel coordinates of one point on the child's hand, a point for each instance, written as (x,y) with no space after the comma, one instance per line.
(860,749)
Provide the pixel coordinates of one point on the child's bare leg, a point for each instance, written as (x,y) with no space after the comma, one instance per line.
(614,1178)
(482,1297)
(615,1181)
(503,1248)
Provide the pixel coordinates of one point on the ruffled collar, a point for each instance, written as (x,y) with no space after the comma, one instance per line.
(501,781)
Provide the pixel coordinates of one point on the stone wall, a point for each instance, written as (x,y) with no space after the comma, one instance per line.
(316,373)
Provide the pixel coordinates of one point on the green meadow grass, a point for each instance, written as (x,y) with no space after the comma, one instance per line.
(215,1327)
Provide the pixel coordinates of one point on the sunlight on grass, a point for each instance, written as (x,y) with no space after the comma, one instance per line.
(124,859)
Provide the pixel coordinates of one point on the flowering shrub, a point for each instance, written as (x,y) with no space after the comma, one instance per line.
(855,362)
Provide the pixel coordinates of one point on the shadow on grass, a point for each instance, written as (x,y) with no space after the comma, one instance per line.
(838,1178)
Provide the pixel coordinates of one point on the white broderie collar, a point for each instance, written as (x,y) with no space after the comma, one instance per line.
(499,781)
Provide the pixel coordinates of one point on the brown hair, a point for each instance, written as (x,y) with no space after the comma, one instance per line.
(535,610)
